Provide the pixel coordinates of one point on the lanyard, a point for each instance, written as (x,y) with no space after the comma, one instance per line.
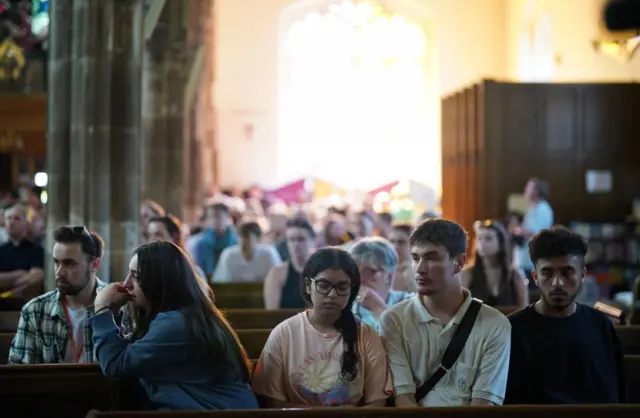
(77,351)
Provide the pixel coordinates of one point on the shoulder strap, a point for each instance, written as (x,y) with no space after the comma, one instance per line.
(451,354)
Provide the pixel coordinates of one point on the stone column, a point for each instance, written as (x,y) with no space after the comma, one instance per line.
(59,113)
(99,193)
(154,103)
(84,49)
(126,85)
(179,59)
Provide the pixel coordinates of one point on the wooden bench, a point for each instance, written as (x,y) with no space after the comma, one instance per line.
(258,318)
(72,390)
(56,390)
(524,411)
(9,321)
(255,339)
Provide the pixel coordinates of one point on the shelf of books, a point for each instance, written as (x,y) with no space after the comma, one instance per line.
(613,257)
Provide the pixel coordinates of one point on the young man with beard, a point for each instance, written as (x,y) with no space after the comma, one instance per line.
(53,327)
(562,352)
(419,331)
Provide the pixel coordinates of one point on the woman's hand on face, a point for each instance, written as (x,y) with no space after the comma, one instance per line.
(371,300)
(113,296)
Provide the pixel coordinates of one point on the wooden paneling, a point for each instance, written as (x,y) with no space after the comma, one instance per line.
(495,136)
(24,117)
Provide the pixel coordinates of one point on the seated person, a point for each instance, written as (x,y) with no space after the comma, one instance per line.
(562,352)
(377,261)
(250,261)
(182,350)
(399,238)
(206,247)
(168,228)
(21,260)
(417,331)
(491,277)
(282,285)
(324,356)
(53,327)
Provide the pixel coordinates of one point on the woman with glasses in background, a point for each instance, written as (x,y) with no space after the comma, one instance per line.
(324,356)
(491,277)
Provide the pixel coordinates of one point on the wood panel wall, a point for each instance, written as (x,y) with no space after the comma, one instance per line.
(495,136)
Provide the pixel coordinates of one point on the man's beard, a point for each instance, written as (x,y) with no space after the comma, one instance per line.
(570,298)
(68,289)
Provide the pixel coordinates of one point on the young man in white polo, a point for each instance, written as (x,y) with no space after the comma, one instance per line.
(445,348)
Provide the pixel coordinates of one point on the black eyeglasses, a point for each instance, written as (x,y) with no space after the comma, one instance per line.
(82,231)
(324,287)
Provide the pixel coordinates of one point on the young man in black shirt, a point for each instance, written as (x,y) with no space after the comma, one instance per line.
(562,352)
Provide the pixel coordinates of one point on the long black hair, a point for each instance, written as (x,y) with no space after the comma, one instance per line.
(333,258)
(503,256)
(169,283)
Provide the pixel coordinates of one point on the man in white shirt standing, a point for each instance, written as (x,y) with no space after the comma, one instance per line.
(539,216)
(417,331)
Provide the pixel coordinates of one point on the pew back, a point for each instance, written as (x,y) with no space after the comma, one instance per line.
(56,390)
(525,411)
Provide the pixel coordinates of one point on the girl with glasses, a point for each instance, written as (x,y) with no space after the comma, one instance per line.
(324,356)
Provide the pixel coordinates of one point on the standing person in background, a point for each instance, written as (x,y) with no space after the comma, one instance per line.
(539,216)
(282,285)
(206,247)
(249,261)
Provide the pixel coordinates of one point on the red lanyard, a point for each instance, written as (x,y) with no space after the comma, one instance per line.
(77,351)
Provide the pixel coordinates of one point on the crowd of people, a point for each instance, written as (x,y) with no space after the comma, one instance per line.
(389,313)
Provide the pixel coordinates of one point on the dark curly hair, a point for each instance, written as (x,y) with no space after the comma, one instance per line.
(557,241)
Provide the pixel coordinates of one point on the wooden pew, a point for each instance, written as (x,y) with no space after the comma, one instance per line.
(9,321)
(228,300)
(254,340)
(524,411)
(258,318)
(56,390)
(74,389)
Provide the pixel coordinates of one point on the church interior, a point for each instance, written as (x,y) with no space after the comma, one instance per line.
(338,114)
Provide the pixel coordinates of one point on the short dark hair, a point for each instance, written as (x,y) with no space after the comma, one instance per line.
(91,243)
(403,227)
(302,224)
(542,188)
(173,225)
(249,228)
(219,206)
(386,217)
(557,241)
(442,232)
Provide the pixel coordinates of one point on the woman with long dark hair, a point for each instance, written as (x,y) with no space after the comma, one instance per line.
(182,349)
(491,277)
(324,356)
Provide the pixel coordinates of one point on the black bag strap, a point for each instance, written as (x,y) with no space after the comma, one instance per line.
(451,354)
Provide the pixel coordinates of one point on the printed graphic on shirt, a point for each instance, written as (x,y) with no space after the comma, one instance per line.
(318,380)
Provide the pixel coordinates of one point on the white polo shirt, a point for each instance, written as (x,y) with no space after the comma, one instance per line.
(415,342)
